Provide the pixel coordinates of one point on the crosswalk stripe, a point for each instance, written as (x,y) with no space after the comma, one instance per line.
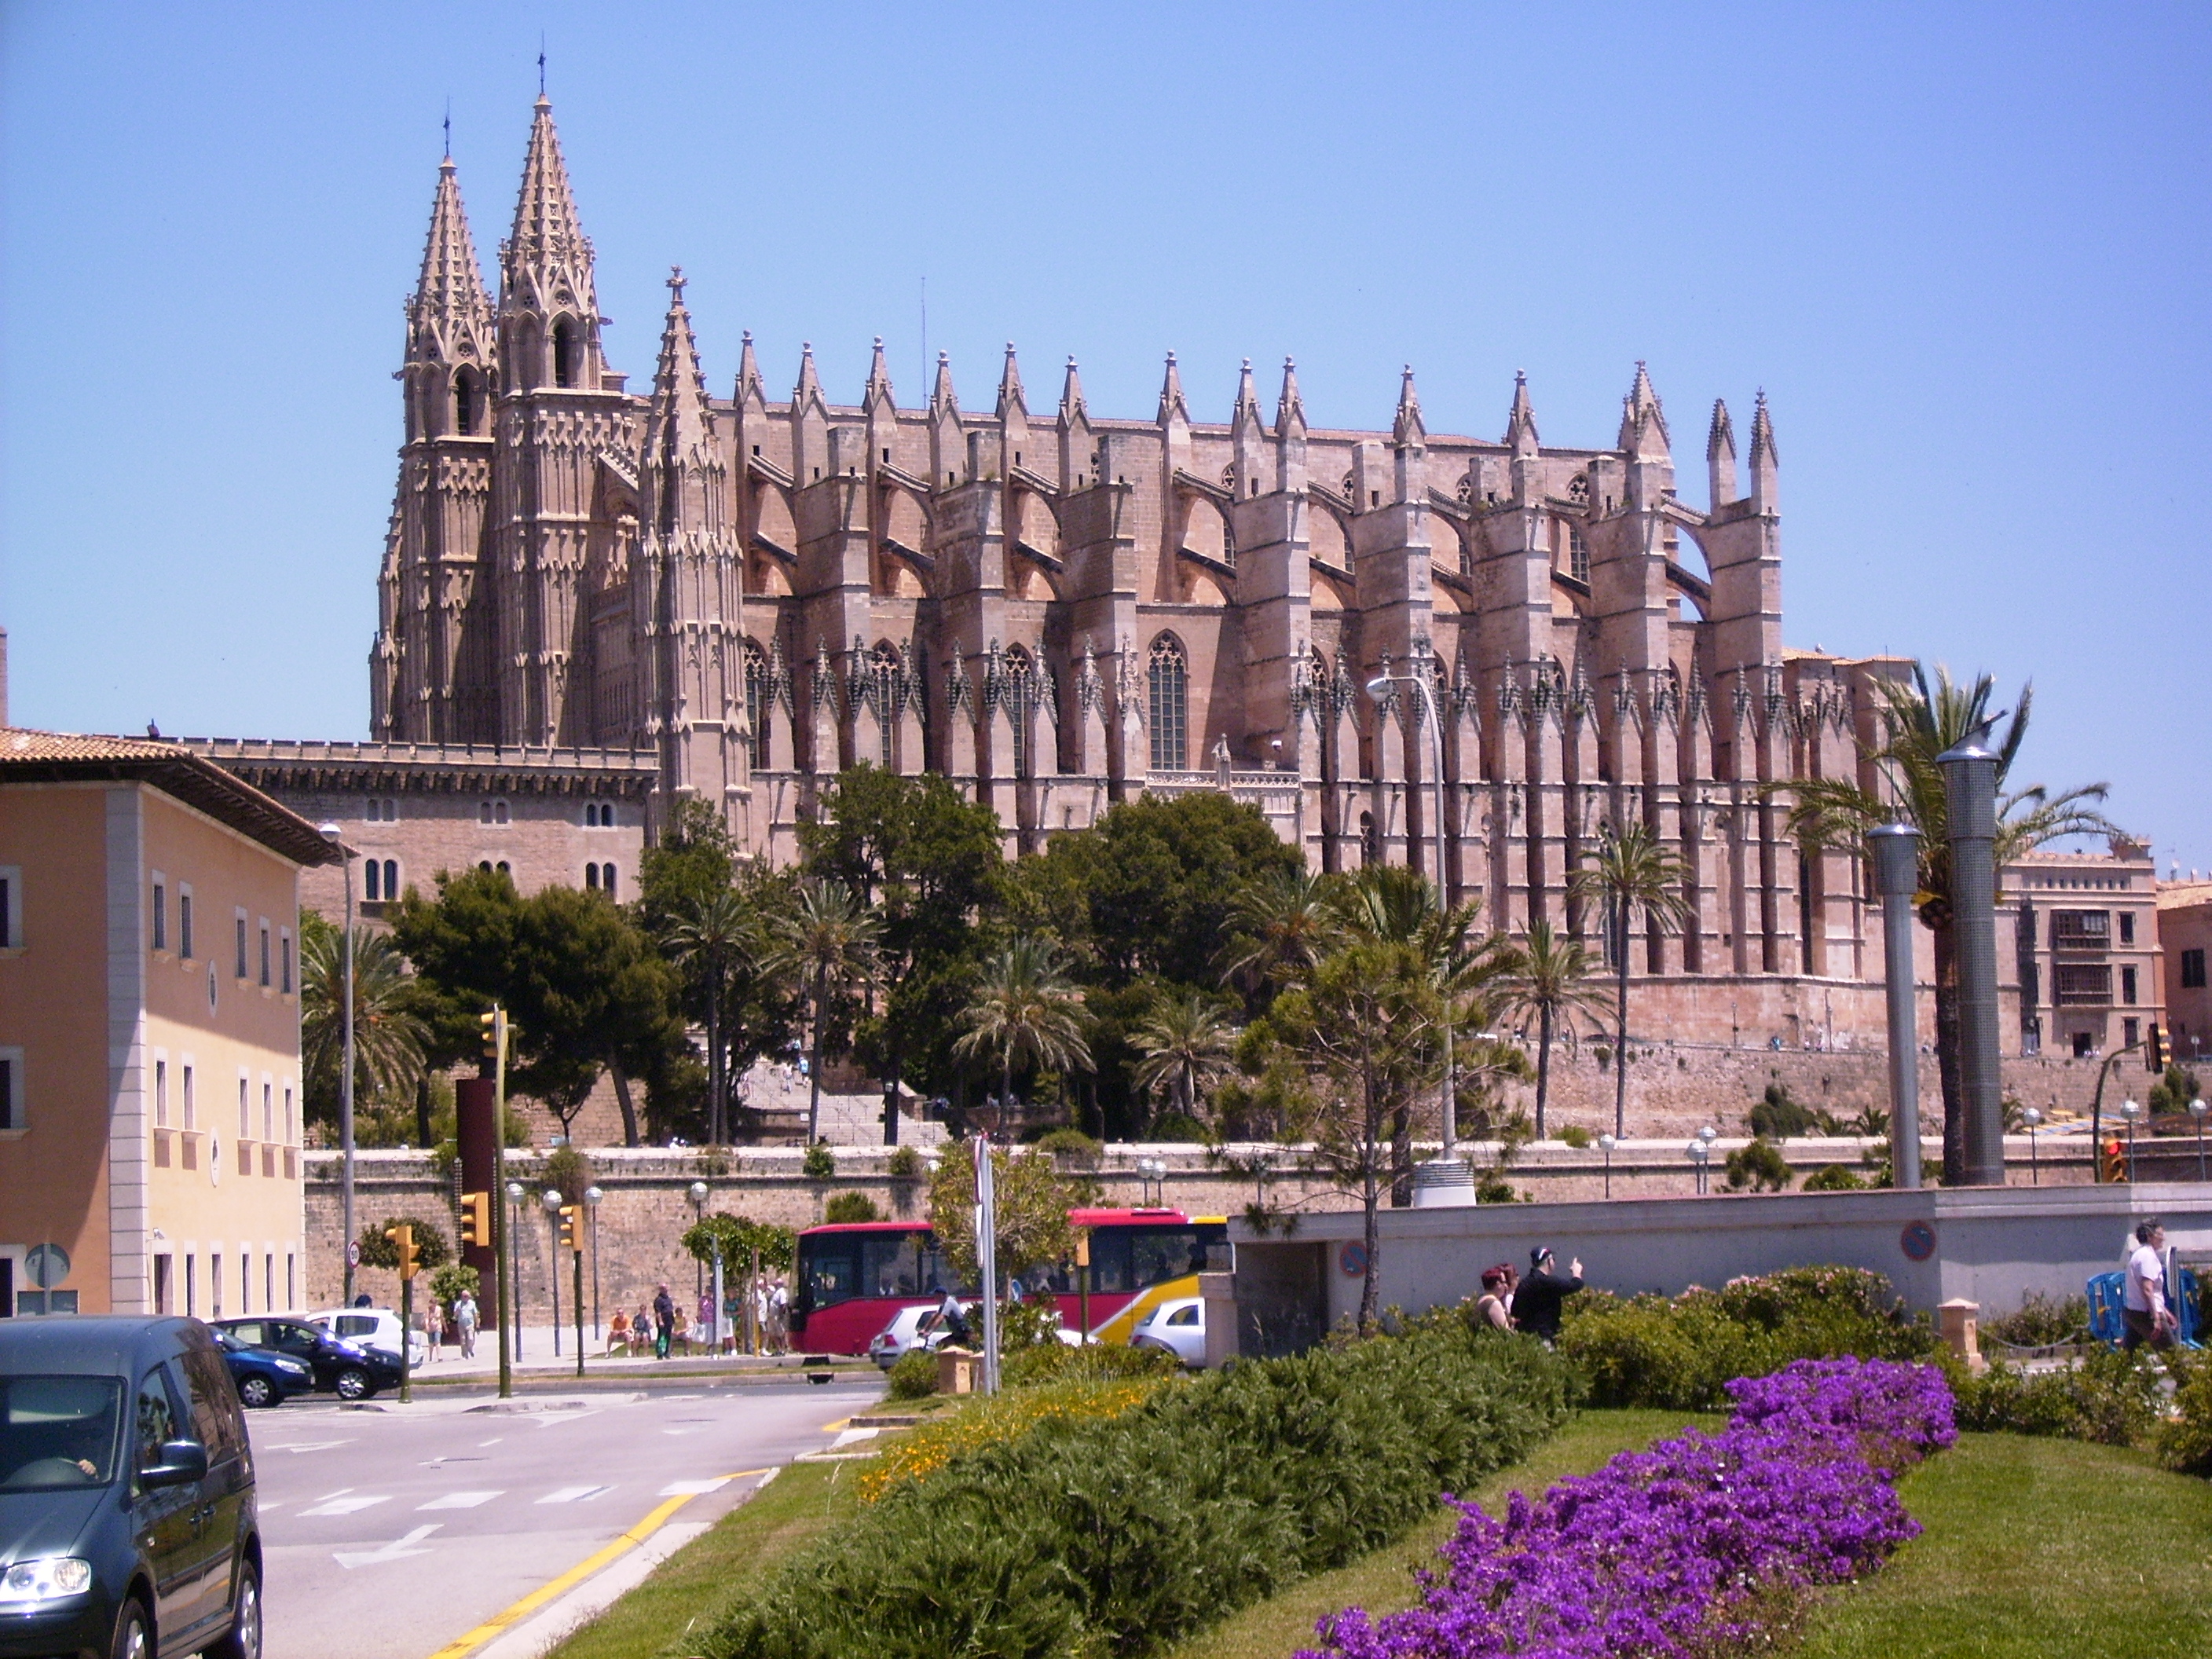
(573,1494)
(459,1500)
(346,1505)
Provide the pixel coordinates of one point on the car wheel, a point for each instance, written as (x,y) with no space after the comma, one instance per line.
(353,1383)
(256,1391)
(244,1641)
(132,1640)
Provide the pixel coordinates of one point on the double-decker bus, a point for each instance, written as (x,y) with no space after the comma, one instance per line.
(854,1277)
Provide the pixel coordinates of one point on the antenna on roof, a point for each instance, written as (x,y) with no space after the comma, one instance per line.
(449,129)
(541,63)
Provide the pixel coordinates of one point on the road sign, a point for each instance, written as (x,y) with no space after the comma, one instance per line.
(46,1266)
(352,1254)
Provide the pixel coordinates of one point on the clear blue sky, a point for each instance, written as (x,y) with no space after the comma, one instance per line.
(1964,249)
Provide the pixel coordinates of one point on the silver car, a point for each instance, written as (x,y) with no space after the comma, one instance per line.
(910,1328)
(1176,1327)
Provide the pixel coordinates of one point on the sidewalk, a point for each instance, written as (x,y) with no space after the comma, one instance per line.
(536,1358)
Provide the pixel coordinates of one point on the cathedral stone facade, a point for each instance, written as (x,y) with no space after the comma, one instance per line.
(1060,610)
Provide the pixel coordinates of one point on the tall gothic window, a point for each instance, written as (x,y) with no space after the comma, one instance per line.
(886,669)
(1021,699)
(466,402)
(565,354)
(756,699)
(1578,555)
(1170,705)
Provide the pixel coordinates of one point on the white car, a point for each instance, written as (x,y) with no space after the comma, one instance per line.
(372,1327)
(1176,1327)
(911,1329)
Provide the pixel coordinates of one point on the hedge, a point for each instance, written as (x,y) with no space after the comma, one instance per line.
(1091,1537)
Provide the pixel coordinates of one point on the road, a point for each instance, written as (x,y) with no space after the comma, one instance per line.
(390,1533)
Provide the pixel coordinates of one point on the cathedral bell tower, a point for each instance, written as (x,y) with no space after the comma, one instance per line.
(562,423)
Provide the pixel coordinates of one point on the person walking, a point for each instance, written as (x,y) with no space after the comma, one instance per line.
(664,1321)
(1490,1307)
(434,1328)
(2143,1307)
(1537,1299)
(778,1316)
(465,1323)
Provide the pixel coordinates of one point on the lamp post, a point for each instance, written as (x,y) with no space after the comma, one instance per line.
(1379,688)
(331,833)
(2197,1109)
(2131,1111)
(592,1197)
(697,1194)
(1699,1154)
(2031,1117)
(1154,1173)
(1606,1144)
(1897,869)
(515,1195)
(1970,784)
(550,1198)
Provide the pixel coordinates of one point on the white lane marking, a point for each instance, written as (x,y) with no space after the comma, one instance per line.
(459,1500)
(694,1488)
(308,1446)
(346,1505)
(548,1418)
(573,1494)
(340,1492)
(849,1435)
(396,1550)
(494,1440)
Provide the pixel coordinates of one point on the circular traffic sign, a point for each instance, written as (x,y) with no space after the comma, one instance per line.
(45,1265)
(1351,1260)
(352,1254)
(1918,1241)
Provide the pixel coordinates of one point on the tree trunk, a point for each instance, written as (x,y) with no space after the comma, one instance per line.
(1621,1029)
(714,1085)
(1946,1057)
(1371,1228)
(422,1111)
(814,1096)
(622,1100)
(1543,1063)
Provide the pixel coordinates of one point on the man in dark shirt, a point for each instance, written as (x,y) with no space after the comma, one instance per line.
(1536,1304)
(664,1321)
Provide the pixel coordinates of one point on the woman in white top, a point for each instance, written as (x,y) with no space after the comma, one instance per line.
(2143,1299)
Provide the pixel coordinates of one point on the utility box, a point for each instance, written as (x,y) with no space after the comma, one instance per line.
(1958,1323)
(959,1371)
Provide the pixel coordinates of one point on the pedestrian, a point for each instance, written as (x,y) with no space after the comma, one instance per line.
(465,1322)
(1537,1299)
(952,1319)
(2143,1307)
(664,1321)
(760,1313)
(708,1326)
(618,1333)
(779,1316)
(1490,1307)
(434,1328)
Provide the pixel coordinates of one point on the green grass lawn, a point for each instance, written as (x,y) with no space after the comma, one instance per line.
(2035,1548)
(1383,1580)
(697,1579)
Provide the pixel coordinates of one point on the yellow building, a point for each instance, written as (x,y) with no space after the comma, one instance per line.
(150,1032)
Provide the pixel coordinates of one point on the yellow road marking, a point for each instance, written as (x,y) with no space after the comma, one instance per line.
(509,1617)
(833,1428)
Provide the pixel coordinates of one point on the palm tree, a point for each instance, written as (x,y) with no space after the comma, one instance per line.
(829,937)
(707,931)
(1187,1040)
(1549,977)
(1025,1006)
(1919,722)
(1281,927)
(388,1033)
(1630,870)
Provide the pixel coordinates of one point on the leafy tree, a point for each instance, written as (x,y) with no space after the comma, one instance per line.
(448,1282)
(1778,1116)
(707,931)
(2175,1091)
(1549,978)
(390,1029)
(1759,1166)
(1025,1007)
(433,1248)
(734,1238)
(1920,721)
(1032,1199)
(850,1206)
(1188,1043)
(1628,870)
(826,941)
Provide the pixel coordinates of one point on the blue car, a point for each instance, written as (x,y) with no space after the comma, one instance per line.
(263,1378)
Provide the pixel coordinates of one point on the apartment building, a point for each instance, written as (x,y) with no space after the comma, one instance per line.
(2086,940)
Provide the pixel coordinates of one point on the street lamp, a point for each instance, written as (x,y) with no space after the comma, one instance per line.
(2031,1117)
(1377,689)
(516,1194)
(1153,1171)
(1970,784)
(1699,1154)
(2131,1111)
(697,1194)
(592,1197)
(2197,1109)
(1606,1144)
(331,833)
(550,1198)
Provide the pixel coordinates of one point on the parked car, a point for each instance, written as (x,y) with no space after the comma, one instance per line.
(127,1518)
(340,1367)
(264,1376)
(911,1329)
(372,1327)
(1176,1326)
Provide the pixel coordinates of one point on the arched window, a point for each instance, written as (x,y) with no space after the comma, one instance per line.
(373,881)
(884,668)
(392,879)
(1021,699)
(468,403)
(756,699)
(566,356)
(1170,705)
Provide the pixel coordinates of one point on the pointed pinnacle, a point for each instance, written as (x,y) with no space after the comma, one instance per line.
(1762,433)
(1720,439)
(1171,397)
(941,396)
(1521,420)
(451,283)
(546,223)
(1010,385)
(1248,398)
(1071,395)
(880,375)
(1289,406)
(1407,427)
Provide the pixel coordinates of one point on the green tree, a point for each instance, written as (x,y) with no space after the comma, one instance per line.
(1549,979)
(734,1238)
(707,931)
(826,941)
(1279,925)
(2175,1091)
(1025,1007)
(1629,870)
(1188,1043)
(1032,1199)
(1919,721)
(1760,1167)
(390,1029)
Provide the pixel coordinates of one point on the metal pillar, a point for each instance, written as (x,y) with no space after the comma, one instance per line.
(1897,869)
(1970,780)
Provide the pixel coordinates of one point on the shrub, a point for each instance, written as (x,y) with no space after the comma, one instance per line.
(2185,1443)
(1097,1361)
(850,1206)
(905,1165)
(447,1283)
(2112,1398)
(1178,1127)
(1575,1135)
(1834,1178)
(1490,1187)
(1097,1535)
(432,1249)
(1760,1167)
(914,1375)
(1071,1146)
(2041,1320)
(820,1164)
(1777,1117)
(1679,1354)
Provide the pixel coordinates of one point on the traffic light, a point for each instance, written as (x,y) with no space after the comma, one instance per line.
(2113,1161)
(403,1236)
(476,1218)
(2154,1051)
(571,1226)
(491,1034)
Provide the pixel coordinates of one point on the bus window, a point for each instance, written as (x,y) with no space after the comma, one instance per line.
(1109,1261)
(1159,1254)
(827,1272)
(890,1264)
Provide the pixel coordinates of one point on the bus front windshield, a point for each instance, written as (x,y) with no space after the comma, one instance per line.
(835,1267)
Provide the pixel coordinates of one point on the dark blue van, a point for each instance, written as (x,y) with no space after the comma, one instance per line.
(127,1524)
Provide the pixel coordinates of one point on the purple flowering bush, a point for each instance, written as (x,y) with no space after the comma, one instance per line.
(1700,1544)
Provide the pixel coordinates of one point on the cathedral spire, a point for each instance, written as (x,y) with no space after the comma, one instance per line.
(549,308)
(679,421)
(1290,408)
(1521,422)
(1642,423)
(1764,458)
(1171,399)
(809,389)
(451,339)
(1407,429)
(1248,398)
(450,289)
(941,396)
(547,229)
(1720,458)
(1071,406)
(1011,395)
(749,375)
(879,388)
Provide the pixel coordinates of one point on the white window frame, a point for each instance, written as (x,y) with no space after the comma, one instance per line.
(188,1092)
(161,1088)
(268,963)
(245,1104)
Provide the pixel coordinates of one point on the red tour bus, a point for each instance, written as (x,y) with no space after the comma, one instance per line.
(854,1277)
